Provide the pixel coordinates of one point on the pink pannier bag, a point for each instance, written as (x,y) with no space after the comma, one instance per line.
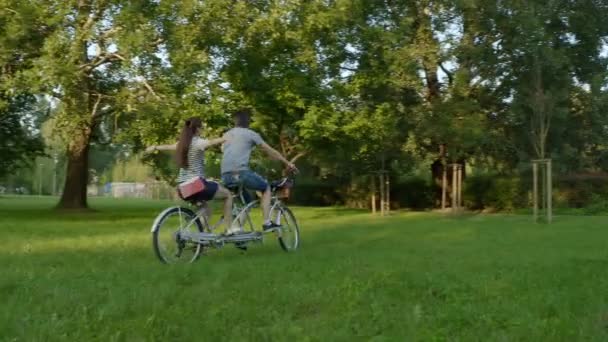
(191,187)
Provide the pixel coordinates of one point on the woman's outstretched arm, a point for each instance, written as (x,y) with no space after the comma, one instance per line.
(213,142)
(153,148)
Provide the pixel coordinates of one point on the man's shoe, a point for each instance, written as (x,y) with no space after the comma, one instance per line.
(270,227)
(241,245)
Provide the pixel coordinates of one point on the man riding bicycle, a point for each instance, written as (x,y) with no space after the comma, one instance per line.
(240,141)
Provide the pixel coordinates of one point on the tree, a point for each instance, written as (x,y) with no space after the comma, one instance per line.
(96,61)
(539,58)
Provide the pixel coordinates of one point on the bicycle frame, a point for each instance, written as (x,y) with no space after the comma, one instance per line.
(210,238)
(178,240)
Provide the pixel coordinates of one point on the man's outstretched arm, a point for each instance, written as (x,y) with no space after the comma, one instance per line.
(274,154)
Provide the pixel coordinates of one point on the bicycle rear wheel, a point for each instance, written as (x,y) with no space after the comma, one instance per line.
(170,235)
(289,233)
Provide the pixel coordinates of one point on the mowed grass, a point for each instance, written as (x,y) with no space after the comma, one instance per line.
(408,277)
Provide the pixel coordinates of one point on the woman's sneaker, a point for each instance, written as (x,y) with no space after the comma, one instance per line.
(234,230)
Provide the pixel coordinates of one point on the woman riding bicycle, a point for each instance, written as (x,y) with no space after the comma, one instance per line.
(190,157)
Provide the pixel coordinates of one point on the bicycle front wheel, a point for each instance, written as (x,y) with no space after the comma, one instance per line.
(289,233)
(171,235)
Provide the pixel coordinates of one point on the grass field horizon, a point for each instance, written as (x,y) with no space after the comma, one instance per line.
(411,276)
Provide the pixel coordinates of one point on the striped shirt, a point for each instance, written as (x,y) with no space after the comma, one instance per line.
(196,160)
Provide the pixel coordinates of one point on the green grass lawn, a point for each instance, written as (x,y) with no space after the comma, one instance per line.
(408,277)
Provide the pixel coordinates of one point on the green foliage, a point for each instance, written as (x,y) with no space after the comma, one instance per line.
(130,170)
(344,87)
(315,193)
(19,144)
(492,191)
(581,190)
(413,192)
(598,205)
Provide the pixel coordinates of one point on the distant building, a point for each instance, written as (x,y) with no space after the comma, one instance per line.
(127,190)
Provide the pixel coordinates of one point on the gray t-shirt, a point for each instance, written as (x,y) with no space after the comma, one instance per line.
(237,148)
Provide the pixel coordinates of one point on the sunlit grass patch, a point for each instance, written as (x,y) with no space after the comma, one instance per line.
(409,276)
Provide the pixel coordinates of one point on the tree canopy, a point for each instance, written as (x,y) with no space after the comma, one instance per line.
(344,86)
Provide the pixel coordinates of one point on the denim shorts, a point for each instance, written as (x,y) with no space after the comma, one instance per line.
(249,179)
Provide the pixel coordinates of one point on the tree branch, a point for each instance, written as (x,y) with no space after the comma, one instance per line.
(221,86)
(109,33)
(283,144)
(157,42)
(117,56)
(102,95)
(56,95)
(101,59)
(94,110)
(147,85)
(93,16)
(348,69)
(449,74)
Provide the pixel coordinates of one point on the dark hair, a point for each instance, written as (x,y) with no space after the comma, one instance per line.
(242,117)
(185,139)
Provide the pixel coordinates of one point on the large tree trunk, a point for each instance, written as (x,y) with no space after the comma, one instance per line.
(74,194)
